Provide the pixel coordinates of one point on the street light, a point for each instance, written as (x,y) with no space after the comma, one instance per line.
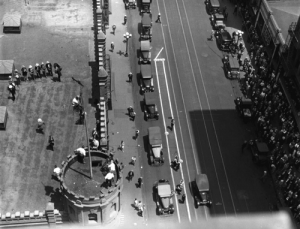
(127,36)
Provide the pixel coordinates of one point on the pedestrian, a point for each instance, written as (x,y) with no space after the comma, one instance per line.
(235,9)
(49,68)
(43,69)
(130,110)
(122,145)
(82,115)
(133,160)
(130,77)
(264,176)
(31,72)
(95,134)
(273,168)
(12,90)
(183,198)
(135,204)
(158,18)
(121,166)
(244,145)
(112,167)
(130,175)
(51,142)
(24,73)
(57,172)
(81,153)
(114,29)
(172,123)
(108,178)
(125,19)
(225,16)
(57,70)
(17,77)
(133,114)
(224,10)
(212,35)
(140,182)
(141,210)
(41,124)
(136,134)
(112,46)
(37,70)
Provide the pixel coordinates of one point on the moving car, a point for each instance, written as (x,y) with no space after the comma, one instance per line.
(163,198)
(150,108)
(147,84)
(130,4)
(145,54)
(200,189)
(155,146)
(146,30)
(145,6)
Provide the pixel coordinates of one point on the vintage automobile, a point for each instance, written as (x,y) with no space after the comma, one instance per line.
(130,4)
(260,152)
(146,26)
(212,6)
(163,198)
(145,6)
(224,40)
(150,108)
(145,54)
(244,107)
(147,84)
(200,189)
(218,21)
(155,146)
(231,67)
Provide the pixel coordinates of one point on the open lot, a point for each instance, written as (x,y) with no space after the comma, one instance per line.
(57,31)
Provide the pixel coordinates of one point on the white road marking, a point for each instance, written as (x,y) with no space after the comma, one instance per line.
(209,108)
(158,53)
(164,121)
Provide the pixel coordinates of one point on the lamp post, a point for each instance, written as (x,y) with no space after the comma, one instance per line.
(127,36)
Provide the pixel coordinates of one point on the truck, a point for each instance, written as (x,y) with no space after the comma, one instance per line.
(146,24)
(145,6)
(155,146)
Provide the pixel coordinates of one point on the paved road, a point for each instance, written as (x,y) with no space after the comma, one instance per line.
(208,132)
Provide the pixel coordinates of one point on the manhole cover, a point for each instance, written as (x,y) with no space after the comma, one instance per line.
(204,54)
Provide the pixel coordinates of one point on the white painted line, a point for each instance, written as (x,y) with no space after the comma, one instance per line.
(158,53)
(165,130)
(209,108)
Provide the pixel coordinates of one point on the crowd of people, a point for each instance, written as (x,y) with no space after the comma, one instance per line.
(274,120)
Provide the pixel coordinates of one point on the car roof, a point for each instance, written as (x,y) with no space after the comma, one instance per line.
(225,35)
(246,101)
(262,147)
(164,189)
(146,19)
(146,70)
(149,99)
(145,45)
(154,135)
(202,182)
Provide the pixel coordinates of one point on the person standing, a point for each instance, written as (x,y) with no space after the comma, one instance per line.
(81,153)
(133,114)
(114,29)
(264,176)
(122,146)
(108,178)
(57,70)
(121,167)
(24,73)
(37,70)
(43,69)
(212,35)
(125,19)
(158,18)
(235,9)
(135,203)
(130,77)
(51,142)
(172,123)
(112,46)
(17,77)
(140,182)
(57,172)
(136,134)
(133,160)
(31,72)
(49,68)
(183,197)
(12,90)
(130,175)
(40,126)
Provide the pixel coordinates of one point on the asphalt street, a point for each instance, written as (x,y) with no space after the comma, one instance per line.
(190,86)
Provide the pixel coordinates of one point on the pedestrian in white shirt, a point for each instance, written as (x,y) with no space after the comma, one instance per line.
(81,154)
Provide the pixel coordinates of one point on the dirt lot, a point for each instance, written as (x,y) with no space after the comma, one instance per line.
(57,31)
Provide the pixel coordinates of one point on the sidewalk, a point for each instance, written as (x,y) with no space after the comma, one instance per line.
(120,128)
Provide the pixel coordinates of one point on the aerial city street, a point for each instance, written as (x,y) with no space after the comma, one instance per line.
(150,113)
